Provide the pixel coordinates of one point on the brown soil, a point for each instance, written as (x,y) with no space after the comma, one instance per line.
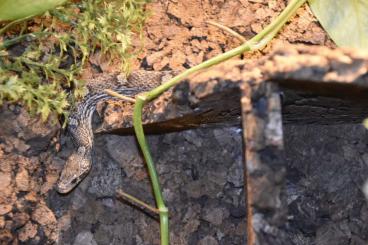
(177,36)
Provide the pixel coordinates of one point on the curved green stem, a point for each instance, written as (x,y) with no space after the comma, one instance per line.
(2,30)
(228,30)
(163,211)
(137,119)
(257,42)
(10,42)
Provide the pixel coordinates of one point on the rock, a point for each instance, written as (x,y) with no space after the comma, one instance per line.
(79,199)
(22,180)
(43,215)
(64,222)
(235,173)
(357,240)
(84,238)
(208,240)
(191,226)
(19,145)
(193,138)
(334,234)
(27,232)
(215,215)
(22,204)
(19,219)
(108,202)
(107,182)
(5,208)
(5,236)
(2,222)
(5,181)
(155,57)
(124,151)
(195,189)
(238,212)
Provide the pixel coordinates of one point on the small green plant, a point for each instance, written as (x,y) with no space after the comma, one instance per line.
(44,76)
(105,25)
(37,80)
(40,98)
(109,26)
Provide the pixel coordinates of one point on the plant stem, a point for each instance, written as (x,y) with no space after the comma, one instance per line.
(41,65)
(120,96)
(15,40)
(2,30)
(228,30)
(131,198)
(257,42)
(163,211)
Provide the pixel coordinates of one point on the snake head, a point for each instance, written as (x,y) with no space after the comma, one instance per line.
(76,168)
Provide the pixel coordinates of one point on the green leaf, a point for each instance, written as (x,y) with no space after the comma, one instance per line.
(346,21)
(19,9)
(365,123)
(45,111)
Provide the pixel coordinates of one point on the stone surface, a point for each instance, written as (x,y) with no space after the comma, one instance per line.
(181,159)
(183,38)
(84,238)
(27,232)
(208,240)
(26,153)
(326,164)
(328,167)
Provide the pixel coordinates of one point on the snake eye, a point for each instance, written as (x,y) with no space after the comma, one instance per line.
(74,181)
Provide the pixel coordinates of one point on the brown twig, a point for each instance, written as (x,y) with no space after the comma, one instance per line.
(120,96)
(135,200)
(228,30)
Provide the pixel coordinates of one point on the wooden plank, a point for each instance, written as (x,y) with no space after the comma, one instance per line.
(265,166)
(318,85)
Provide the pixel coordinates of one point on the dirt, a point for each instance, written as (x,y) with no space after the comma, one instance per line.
(327,165)
(178,37)
(203,190)
(27,173)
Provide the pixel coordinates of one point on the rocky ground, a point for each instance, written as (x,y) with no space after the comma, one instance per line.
(327,166)
(202,176)
(179,37)
(28,171)
(176,35)
(203,189)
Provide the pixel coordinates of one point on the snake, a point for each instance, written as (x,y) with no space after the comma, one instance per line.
(80,128)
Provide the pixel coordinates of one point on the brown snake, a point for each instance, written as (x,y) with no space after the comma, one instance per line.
(80,128)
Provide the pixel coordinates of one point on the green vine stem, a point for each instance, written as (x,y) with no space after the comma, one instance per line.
(10,42)
(2,30)
(257,42)
(228,30)
(135,200)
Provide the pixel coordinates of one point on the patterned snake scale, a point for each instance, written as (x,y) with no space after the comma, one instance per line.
(80,128)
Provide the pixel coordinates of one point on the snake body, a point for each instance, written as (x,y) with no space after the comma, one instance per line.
(80,128)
